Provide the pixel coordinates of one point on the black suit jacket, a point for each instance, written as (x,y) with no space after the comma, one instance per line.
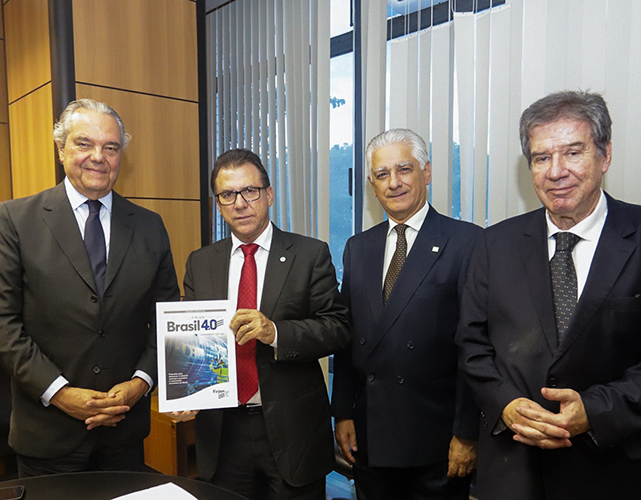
(300,295)
(53,323)
(507,338)
(399,381)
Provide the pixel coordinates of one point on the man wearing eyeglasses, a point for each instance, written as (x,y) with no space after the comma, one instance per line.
(278,442)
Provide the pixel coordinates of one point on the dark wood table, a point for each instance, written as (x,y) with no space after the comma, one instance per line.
(108,485)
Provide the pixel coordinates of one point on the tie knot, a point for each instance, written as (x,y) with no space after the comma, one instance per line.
(400,229)
(249,249)
(94,206)
(565,242)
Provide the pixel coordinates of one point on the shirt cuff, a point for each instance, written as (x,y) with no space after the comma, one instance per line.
(274,344)
(146,378)
(51,391)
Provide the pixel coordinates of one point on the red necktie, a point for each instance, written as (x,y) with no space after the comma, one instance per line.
(246,353)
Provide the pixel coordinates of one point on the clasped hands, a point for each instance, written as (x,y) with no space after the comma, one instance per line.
(535,426)
(97,408)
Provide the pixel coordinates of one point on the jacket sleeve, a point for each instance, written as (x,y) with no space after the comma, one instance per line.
(322,324)
(19,354)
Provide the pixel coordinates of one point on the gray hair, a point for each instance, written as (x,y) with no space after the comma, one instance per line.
(573,105)
(62,126)
(396,136)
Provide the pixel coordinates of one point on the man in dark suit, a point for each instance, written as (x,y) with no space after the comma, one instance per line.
(550,318)
(400,408)
(77,321)
(278,443)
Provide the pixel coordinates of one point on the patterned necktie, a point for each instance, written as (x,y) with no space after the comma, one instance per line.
(564,287)
(95,245)
(246,353)
(397,262)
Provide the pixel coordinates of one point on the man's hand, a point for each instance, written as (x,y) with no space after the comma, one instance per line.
(571,417)
(462,457)
(250,324)
(345,433)
(120,399)
(185,414)
(534,425)
(78,403)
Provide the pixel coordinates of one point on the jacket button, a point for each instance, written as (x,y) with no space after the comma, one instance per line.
(362,341)
(552,382)
(94,299)
(370,377)
(400,379)
(410,345)
(102,333)
(96,370)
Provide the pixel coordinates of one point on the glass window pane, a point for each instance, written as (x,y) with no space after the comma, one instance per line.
(341,133)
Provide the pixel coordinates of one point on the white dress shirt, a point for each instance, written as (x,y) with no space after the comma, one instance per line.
(414,224)
(589,230)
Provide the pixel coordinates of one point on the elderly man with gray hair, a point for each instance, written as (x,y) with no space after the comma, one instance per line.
(550,317)
(403,415)
(81,269)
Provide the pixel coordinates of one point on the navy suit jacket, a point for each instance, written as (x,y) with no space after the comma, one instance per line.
(507,337)
(399,381)
(53,323)
(300,295)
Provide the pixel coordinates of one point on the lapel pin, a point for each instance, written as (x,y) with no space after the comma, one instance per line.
(435,249)
(283,259)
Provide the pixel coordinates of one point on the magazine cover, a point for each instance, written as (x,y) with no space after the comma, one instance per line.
(196,355)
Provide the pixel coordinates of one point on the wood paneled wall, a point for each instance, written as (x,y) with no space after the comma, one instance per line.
(140,57)
(5,159)
(28,66)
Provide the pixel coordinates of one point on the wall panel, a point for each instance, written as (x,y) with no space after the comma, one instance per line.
(32,148)
(162,160)
(182,219)
(144,45)
(27,46)
(4,110)
(5,163)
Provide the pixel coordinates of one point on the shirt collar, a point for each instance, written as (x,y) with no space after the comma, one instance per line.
(589,228)
(76,199)
(415,221)
(264,240)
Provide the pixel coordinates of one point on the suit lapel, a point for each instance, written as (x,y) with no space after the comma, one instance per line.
(535,258)
(61,221)
(279,262)
(612,253)
(373,259)
(219,270)
(426,250)
(123,222)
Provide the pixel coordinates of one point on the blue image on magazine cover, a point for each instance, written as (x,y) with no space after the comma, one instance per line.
(194,362)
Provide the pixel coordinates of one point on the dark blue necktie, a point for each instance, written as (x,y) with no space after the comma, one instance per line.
(95,244)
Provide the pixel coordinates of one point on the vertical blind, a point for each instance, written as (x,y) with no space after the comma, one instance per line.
(467,81)
(268,81)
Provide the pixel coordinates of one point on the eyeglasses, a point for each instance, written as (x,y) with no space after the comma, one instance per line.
(250,193)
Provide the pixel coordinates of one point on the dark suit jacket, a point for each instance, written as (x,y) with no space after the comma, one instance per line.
(300,296)
(507,338)
(399,380)
(53,323)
